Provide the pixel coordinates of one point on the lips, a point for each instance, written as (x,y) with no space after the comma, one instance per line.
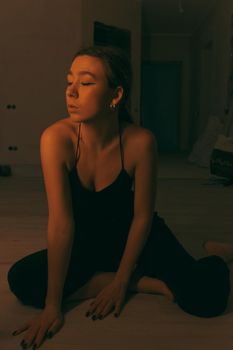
(72,106)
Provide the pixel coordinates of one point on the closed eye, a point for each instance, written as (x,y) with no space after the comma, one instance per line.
(82,83)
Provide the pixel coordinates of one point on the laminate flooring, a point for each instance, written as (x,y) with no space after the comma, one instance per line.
(193,207)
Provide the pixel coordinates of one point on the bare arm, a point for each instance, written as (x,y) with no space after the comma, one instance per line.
(60,215)
(144,204)
(59,243)
(53,150)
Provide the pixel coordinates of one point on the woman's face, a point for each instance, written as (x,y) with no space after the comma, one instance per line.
(87,90)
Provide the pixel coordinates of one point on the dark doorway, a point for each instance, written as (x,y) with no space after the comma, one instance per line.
(160,102)
(105,35)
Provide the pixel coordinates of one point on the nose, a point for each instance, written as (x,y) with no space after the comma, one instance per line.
(72,91)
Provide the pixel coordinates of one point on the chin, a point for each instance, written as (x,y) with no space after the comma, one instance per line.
(76,118)
(75,115)
(80,118)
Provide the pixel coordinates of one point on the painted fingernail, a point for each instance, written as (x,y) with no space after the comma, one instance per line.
(49,334)
(14,333)
(23,344)
(94,317)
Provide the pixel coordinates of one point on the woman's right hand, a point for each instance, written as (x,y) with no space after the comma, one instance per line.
(50,320)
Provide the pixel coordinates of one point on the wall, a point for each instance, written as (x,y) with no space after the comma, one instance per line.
(216,29)
(168,47)
(124,14)
(38,40)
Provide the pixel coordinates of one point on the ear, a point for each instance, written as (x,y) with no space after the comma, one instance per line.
(118,94)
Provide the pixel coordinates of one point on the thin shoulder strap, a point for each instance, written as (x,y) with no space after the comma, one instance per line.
(121,148)
(77,145)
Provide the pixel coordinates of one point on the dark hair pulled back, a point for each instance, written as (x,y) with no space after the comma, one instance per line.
(118,72)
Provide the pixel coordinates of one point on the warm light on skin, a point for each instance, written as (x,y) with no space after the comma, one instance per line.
(88,89)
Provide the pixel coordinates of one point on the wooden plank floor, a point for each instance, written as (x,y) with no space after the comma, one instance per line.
(195,211)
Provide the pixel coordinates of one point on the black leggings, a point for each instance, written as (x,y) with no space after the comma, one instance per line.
(200,287)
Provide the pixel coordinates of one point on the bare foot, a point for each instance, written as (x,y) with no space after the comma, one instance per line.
(167,292)
(224,250)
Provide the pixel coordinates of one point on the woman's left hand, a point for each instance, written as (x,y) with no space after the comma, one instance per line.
(111,297)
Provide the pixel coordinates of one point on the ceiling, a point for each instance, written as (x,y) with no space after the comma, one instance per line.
(174,16)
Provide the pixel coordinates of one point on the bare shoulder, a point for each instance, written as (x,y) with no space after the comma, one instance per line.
(141,139)
(61,128)
(59,135)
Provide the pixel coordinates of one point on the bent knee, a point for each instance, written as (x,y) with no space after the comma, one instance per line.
(14,278)
(26,285)
(205,310)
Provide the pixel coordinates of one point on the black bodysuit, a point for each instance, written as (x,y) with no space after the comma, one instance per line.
(102,219)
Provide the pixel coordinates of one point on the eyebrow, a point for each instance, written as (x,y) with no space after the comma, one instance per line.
(84,72)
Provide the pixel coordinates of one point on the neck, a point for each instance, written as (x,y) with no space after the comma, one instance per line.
(98,134)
